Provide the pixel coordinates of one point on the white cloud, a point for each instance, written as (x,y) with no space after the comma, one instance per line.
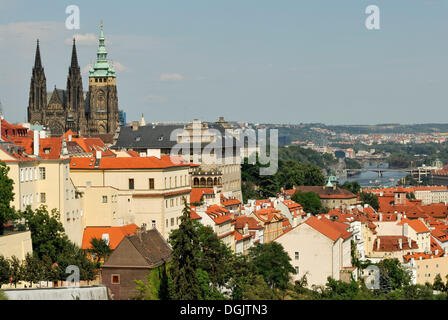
(119,67)
(171,77)
(30,31)
(87,39)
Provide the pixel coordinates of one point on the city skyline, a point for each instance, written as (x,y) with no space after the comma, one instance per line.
(312,62)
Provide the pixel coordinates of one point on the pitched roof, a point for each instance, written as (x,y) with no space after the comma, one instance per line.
(116,234)
(197,193)
(151,246)
(415,224)
(252,223)
(331,229)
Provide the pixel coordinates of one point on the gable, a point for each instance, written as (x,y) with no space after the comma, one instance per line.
(126,255)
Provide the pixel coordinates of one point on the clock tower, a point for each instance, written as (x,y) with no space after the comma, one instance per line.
(102,107)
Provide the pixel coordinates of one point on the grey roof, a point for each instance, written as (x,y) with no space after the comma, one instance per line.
(156,136)
(151,245)
(146,137)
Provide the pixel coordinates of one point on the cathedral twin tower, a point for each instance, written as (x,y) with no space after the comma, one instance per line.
(90,113)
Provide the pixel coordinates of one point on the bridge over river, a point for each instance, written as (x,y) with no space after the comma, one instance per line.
(378,170)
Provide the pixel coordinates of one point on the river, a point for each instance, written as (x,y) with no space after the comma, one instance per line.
(371,179)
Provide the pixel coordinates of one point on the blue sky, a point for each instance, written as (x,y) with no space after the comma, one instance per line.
(258,61)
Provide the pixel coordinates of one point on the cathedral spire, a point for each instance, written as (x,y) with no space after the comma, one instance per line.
(102,68)
(74,63)
(37,60)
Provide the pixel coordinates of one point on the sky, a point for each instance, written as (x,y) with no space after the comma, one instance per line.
(261,61)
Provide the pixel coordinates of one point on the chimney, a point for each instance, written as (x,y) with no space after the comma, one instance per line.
(380,217)
(98,154)
(36,143)
(134,125)
(378,243)
(400,243)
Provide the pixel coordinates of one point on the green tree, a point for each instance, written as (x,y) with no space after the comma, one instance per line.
(156,285)
(370,199)
(32,269)
(438,283)
(185,245)
(16,270)
(310,201)
(258,289)
(6,197)
(354,187)
(214,256)
(393,274)
(4,271)
(273,263)
(47,232)
(100,249)
(340,290)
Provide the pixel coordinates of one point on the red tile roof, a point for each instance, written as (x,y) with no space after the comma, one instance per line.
(125,163)
(391,243)
(219,214)
(330,229)
(197,193)
(415,224)
(116,234)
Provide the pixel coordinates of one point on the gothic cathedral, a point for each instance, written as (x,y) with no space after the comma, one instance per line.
(90,113)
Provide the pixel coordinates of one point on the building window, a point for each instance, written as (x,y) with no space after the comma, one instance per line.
(42,173)
(115,279)
(166,203)
(297,269)
(35,173)
(43,197)
(151,184)
(104,199)
(21,175)
(131,184)
(172,203)
(172,221)
(297,255)
(166,223)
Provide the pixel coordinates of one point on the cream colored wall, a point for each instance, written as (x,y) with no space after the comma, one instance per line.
(151,205)
(16,244)
(57,181)
(338,203)
(100,213)
(315,254)
(428,269)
